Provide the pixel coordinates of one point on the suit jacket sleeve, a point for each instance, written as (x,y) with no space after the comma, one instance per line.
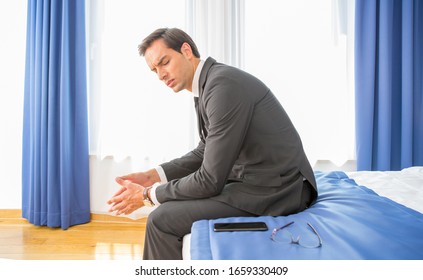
(184,165)
(229,114)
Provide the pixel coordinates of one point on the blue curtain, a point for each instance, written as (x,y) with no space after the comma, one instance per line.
(389,77)
(55,167)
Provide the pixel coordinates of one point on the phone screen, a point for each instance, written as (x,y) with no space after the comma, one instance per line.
(240,226)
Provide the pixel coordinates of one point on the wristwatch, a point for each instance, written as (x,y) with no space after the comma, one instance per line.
(147,201)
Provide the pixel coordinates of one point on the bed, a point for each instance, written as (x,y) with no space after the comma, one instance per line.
(357,216)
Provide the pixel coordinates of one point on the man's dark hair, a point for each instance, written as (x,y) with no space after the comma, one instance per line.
(173,38)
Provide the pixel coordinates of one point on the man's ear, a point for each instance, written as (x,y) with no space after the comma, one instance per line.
(186,50)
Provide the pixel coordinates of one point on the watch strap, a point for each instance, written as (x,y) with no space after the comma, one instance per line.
(147,200)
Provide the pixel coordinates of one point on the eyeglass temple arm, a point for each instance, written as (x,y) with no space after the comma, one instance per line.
(318,235)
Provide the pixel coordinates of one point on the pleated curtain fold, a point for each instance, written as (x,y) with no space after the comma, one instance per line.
(389,84)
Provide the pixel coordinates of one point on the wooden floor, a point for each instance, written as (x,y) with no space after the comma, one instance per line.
(104,238)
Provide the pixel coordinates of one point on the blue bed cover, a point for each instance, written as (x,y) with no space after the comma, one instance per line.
(353,222)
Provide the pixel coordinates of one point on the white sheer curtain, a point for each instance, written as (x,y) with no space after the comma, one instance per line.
(132,112)
(217,27)
(303,51)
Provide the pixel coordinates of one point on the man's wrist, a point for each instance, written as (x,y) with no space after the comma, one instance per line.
(152,194)
(153,176)
(146,197)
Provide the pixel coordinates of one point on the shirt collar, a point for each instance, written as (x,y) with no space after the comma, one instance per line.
(196,80)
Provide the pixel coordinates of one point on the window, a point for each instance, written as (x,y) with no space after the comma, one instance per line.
(303,51)
(131,112)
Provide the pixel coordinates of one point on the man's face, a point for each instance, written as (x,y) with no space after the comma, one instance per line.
(173,68)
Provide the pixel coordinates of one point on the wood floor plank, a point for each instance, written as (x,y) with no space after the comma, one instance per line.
(106,239)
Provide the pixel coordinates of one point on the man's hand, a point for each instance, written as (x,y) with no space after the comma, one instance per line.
(145,179)
(130,196)
(128,199)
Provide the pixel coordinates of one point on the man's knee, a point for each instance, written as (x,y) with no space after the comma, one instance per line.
(154,219)
(170,219)
(164,219)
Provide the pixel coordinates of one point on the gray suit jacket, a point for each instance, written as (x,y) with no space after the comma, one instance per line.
(250,155)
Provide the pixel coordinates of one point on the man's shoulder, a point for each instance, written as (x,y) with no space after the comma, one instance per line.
(216,75)
(219,72)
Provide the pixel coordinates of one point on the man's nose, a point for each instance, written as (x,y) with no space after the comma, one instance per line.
(161,74)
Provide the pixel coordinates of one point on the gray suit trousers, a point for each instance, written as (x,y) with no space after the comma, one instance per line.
(171,221)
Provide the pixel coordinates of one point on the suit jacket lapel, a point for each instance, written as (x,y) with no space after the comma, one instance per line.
(200,122)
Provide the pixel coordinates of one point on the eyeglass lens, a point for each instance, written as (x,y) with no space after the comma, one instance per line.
(306,239)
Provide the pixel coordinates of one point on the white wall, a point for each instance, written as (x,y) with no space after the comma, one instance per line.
(12,65)
(102,182)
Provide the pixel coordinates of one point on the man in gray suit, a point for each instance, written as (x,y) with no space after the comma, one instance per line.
(249,162)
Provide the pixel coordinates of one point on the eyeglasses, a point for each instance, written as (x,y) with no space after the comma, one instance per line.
(283,235)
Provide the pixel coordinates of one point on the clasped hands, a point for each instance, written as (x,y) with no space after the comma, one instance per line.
(130,195)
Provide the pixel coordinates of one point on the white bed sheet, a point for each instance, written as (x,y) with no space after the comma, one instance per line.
(404,187)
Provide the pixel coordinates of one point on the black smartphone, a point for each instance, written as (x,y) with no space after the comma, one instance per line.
(240,226)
